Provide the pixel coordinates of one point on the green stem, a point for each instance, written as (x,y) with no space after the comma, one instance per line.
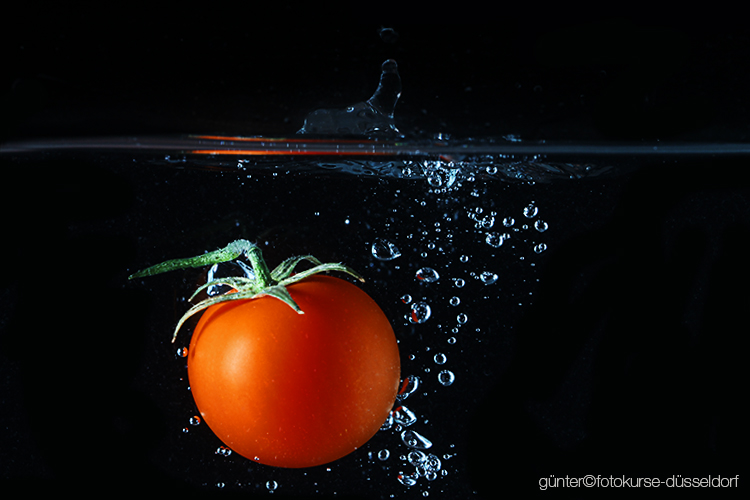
(263,282)
(262,273)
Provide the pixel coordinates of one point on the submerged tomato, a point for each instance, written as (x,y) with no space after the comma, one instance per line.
(295,390)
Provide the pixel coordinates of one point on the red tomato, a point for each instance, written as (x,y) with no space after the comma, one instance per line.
(295,390)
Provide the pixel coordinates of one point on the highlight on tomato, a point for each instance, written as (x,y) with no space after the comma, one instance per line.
(288,370)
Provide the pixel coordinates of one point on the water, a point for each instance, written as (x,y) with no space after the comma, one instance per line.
(460,253)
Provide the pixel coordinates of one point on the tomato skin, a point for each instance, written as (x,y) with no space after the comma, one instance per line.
(295,390)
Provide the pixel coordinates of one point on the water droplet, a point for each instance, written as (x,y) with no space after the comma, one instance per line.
(494,239)
(196,420)
(182,352)
(385,250)
(454,301)
(530,211)
(272,485)
(541,226)
(384,454)
(420,312)
(462,318)
(440,358)
(488,278)
(404,416)
(411,384)
(427,275)
(446,377)
(541,247)
(223,451)
(413,439)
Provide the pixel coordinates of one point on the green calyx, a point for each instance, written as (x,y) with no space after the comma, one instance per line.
(261,281)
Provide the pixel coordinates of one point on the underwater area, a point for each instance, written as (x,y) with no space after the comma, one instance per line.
(564,267)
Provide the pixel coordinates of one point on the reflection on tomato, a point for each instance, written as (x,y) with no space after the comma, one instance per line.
(295,390)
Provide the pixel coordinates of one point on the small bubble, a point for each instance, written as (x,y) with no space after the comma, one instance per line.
(494,239)
(488,278)
(451,340)
(413,439)
(416,457)
(383,454)
(223,451)
(440,358)
(420,312)
(454,301)
(272,485)
(406,299)
(385,250)
(196,420)
(508,221)
(459,282)
(541,226)
(427,275)
(407,480)
(530,211)
(446,377)
(408,387)
(182,352)
(541,247)
(404,416)
(462,318)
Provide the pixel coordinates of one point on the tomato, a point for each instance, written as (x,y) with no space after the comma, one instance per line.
(295,390)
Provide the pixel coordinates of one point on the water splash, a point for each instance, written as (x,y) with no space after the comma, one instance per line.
(373,118)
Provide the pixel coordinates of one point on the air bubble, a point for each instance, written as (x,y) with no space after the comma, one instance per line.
(427,275)
(410,385)
(541,226)
(182,352)
(462,318)
(404,416)
(420,312)
(530,211)
(459,282)
(541,247)
(407,480)
(440,358)
(383,454)
(196,420)
(223,451)
(413,439)
(464,258)
(416,457)
(508,221)
(446,377)
(406,299)
(494,239)
(454,301)
(488,278)
(385,250)
(272,485)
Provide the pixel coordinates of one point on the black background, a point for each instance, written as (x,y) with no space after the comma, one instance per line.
(660,286)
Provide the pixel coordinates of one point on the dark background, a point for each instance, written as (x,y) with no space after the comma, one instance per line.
(656,294)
